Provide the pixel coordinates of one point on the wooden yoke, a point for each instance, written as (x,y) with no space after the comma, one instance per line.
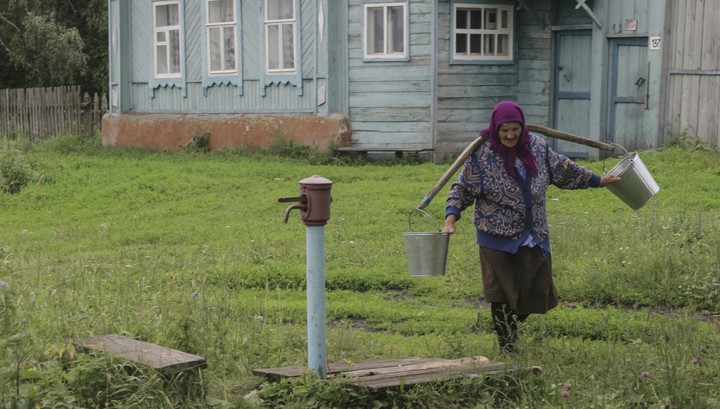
(553,133)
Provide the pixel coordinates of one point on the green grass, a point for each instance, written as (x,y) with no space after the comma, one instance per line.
(189,250)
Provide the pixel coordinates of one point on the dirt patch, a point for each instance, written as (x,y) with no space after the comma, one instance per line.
(396,295)
(353,323)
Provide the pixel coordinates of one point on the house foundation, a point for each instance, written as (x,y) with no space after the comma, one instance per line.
(167,132)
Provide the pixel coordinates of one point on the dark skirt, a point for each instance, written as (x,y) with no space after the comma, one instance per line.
(523,280)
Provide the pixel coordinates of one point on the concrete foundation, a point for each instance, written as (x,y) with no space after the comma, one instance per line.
(162,132)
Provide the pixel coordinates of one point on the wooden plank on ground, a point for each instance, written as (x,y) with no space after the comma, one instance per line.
(439,374)
(425,365)
(145,353)
(387,374)
(335,368)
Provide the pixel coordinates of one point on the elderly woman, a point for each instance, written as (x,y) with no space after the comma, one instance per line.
(507,180)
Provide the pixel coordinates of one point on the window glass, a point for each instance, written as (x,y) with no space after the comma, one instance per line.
(229,42)
(385,30)
(175,51)
(288,46)
(475,19)
(376,31)
(273,39)
(280,9)
(396,22)
(461,18)
(482,32)
(167,39)
(280,28)
(167,15)
(220,36)
(221,11)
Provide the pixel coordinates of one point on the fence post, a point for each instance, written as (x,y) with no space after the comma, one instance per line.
(85,112)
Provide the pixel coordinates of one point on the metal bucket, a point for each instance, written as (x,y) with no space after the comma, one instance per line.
(426,252)
(637,186)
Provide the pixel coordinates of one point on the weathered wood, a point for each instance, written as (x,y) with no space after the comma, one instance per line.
(479,141)
(380,149)
(387,374)
(40,113)
(335,368)
(363,151)
(383,382)
(554,133)
(451,171)
(163,359)
(422,366)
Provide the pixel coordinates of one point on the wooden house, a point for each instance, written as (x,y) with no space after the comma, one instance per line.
(398,75)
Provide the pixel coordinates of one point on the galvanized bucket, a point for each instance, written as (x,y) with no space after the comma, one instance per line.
(637,186)
(426,252)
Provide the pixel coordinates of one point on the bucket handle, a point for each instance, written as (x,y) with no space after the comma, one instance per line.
(621,147)
(424,213)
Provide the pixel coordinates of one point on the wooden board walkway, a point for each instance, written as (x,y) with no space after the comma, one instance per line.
(163,359)
(387,374)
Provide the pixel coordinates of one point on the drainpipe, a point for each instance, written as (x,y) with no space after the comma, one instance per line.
(433,81)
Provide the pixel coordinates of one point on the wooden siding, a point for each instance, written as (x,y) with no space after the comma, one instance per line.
(467,93)
(389,102)
(567,15)
(693,61)
(282,98)
(224,99)
(535,63)
(336,38)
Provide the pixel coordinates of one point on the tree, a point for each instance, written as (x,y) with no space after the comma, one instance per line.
(50,54)
(53,43)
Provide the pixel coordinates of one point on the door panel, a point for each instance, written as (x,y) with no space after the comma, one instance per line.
(571,105)
(628,91)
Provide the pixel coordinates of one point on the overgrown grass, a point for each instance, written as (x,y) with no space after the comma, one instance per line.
(188,250)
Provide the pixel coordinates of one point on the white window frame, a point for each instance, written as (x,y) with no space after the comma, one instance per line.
(387,32)
(166,31)
(282,41)
(490,33)
(222,26)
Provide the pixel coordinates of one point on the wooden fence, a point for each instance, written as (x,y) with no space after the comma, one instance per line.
(40,113)
(693,67)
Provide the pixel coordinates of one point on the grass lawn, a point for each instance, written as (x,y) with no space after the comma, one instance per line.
(189,250)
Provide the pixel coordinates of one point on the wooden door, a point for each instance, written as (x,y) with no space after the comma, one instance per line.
(628,92)
(571,105)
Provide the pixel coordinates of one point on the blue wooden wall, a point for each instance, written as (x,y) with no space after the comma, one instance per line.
(390,101)
(466,93)
(424,101)
(192,96)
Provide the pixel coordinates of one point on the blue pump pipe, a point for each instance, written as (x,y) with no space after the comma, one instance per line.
(315,254)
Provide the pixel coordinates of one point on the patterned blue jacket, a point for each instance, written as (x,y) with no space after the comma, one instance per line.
(510,211)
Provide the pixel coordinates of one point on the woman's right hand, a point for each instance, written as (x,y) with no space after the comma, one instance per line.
(449,226)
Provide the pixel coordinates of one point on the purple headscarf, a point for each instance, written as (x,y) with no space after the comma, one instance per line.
(508,111)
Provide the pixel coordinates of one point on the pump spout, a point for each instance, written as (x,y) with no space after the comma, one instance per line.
(301,207)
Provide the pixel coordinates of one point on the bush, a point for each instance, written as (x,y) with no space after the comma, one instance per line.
(15,171)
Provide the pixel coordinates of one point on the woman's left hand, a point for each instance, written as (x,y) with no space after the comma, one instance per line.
(608,180)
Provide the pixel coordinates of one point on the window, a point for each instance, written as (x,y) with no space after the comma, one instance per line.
(280,36)
(220,29)
(482,32)
(166,39)
(385,30)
